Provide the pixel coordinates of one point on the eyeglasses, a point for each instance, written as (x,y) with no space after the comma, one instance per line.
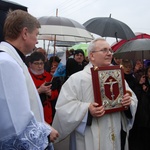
(38,63)
(105,51)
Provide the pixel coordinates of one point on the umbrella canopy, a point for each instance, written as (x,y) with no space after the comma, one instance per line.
(109,27)
(117,45)
(62,29)
(63,38)
(64,44)
(82,46)
(134,49)
(5,6)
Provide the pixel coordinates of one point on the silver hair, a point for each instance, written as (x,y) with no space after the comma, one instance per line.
(92,45)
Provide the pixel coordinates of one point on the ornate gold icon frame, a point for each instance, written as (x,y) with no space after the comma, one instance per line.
(108,87)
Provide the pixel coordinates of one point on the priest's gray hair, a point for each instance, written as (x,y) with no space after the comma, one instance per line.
(92,45)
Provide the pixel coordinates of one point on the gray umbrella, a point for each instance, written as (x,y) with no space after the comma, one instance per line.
(62,29)
(54,28)
(109,27)
(135,49)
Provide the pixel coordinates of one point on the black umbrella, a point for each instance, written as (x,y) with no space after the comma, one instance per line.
(5,6)
(109,27)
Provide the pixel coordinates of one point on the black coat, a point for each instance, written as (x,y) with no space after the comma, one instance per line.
(72,67)
(142,118)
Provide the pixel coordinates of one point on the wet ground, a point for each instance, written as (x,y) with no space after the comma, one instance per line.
(63,145)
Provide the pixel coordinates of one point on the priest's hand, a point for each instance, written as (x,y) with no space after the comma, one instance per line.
(126,100)
(96,110)
(53,135)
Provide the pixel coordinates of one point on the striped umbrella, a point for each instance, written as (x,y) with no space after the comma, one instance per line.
(62,29)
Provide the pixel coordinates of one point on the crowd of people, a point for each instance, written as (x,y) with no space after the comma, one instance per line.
(38,109)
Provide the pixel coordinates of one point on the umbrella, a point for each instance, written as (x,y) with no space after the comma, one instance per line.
(65,44)
(82,46)
(109,27)
(5,6)
(63,38)
(62,29)
(117,45)
(54,28)
(134,49)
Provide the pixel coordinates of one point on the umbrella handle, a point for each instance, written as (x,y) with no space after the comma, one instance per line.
(116,36)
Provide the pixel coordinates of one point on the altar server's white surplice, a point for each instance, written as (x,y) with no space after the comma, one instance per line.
(20,106)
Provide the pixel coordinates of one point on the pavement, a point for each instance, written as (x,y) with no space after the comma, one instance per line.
(63,145)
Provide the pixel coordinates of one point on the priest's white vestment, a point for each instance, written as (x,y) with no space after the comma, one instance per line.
(71,116)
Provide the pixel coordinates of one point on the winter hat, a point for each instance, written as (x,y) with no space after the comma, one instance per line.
(79,51)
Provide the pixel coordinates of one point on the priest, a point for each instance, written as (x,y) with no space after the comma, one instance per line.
(84,120)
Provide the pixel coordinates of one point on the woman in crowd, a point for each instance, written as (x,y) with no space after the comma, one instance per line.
(127,66)
(57,81)
(42,80)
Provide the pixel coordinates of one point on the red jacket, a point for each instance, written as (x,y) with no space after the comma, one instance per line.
(39,80)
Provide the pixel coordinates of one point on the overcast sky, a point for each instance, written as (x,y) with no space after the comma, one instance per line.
(135,13)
